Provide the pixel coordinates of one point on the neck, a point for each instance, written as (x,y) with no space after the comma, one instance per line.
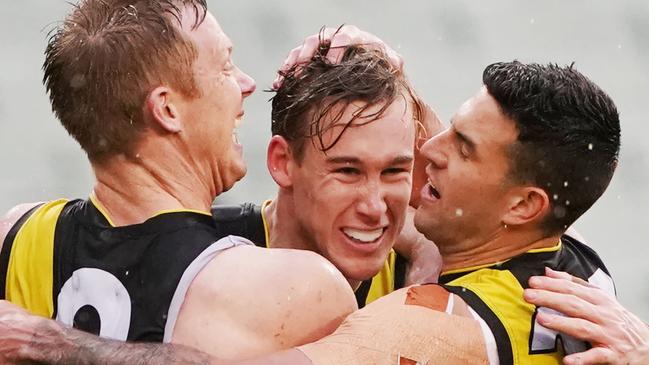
(133,190)
(502,246)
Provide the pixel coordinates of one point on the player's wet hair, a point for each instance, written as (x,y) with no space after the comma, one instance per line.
(568,134)
(106,57)
(314,95)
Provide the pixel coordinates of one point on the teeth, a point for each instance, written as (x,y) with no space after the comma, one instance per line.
(364,236)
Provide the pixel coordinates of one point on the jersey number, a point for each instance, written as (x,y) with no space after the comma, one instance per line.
(95,301)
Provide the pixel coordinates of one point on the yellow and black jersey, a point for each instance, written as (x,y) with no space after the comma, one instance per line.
(247,220)
(66,260)
(495,293)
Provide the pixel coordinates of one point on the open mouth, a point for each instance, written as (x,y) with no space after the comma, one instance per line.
(364,236)
(432,190)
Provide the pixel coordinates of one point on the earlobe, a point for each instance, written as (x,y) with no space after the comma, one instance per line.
(279,160)
(163,110)
(531,204)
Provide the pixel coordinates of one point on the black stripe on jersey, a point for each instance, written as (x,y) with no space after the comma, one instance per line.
(244,220)
(500,334)
(362,292)
(400,268)
(6,249)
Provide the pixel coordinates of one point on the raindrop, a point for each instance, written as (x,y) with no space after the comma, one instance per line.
(619,46)
(555,196)
(590,146)
(586,178)
(77,81)
(459,212)
(532,21)
(567,202)
(126,273)
(565,184)
(559,211)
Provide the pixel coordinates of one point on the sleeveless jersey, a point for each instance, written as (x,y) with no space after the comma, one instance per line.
(65,260)
(495,293)
(247,220)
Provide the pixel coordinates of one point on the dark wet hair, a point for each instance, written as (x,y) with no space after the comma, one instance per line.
(104,59)
(314,95)
(568,134)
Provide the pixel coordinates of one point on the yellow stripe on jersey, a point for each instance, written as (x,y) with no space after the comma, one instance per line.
(503,294)
(383,282)
(31,263)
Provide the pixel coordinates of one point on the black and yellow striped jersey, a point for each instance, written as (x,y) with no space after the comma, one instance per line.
(66,260)
(247,220)
(495,293)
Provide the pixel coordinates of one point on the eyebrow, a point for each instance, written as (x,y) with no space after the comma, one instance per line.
(403,159)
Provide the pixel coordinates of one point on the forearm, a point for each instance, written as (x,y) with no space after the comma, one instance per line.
(54,344)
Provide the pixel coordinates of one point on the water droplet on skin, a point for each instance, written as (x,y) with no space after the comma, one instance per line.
(137,155)
(459,212)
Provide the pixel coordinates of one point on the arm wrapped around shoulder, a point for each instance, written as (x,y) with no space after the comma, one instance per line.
(404,328)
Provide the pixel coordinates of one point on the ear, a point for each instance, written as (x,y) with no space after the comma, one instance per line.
(160,104)
(280,161)
(527,205)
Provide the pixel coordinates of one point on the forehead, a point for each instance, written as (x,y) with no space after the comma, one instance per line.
(210,40)
(482,121)
(390,136)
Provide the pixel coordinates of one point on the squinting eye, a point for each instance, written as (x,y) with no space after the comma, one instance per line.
(347,171)
(394,171)
(464,150)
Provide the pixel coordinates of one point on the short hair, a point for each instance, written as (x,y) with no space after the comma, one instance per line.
(568,134)
(314,95)
(104,59)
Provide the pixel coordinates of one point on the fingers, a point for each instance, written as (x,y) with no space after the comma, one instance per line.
(564,275)
(574,287)
(594,356)
(576,327)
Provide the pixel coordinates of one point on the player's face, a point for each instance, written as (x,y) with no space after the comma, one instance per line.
(215,114)
(466,194)
(350,202)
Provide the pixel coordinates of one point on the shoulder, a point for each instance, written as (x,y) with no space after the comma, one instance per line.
(11,217)
(266,300)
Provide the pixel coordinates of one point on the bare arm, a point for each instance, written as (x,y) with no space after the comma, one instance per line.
(617,335)
(251,301)
(25,337)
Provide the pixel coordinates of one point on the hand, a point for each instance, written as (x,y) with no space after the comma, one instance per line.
(424,259)
(338,38)
(617,335)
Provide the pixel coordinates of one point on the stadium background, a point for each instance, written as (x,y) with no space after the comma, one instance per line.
(445,44)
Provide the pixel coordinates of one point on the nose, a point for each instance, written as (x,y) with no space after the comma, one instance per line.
(371,203)
(433,151)
(246,83)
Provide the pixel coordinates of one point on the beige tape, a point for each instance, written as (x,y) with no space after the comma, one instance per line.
(390,332)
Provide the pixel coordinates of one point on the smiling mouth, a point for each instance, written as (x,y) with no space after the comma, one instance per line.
(364,236)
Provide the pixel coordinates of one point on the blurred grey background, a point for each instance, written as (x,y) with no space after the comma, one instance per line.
(445,44)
